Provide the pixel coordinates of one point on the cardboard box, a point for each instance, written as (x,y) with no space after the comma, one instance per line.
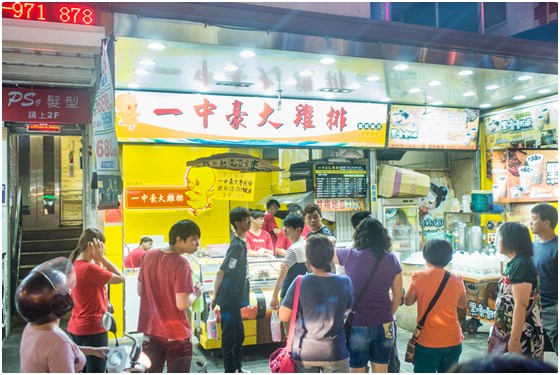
(400,182)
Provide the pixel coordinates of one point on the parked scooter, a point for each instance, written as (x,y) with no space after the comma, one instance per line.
(123,358)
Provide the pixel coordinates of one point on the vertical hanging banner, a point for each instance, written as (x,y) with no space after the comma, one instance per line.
(105,140)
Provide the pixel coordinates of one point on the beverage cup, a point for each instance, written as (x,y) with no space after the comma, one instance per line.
(474,133)
(496,194)
(546,114)
(540,122)
(501,181)
(515,192)
(525,178)
(535,161)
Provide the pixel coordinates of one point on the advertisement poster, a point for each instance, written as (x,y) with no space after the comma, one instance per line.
(420,127)
(234,186)
(532,127)
(524,175)
(433,206)
(248,121)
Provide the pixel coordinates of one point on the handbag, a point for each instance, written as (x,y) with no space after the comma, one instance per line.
(350,316)
(281,360)
(411,346)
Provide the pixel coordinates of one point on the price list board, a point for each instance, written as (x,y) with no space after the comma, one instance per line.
(340,181)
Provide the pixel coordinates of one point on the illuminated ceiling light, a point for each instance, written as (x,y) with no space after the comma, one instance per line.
(230,68)
(141,72)
(355,86)
(401,67)
(219,77)
(414,90)
(306,73)
(247,53)
(156,46)
(329,95)
(543,91)
(434,83)
(437,102)
(492,87)
(269,93)
(133,85)
(202,89)
(519,97)
(464,73)
(373,78)
(469,93)
(290,81)
(385,99)
(485,105)
(146,62)
(524,77)
(327,60)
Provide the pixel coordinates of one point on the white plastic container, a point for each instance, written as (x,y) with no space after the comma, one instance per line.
(212,325)
(275,327)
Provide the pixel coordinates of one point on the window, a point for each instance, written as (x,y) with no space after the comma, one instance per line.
(494,14)
(423,14)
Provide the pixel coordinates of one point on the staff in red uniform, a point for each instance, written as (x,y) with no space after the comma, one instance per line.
(134,259)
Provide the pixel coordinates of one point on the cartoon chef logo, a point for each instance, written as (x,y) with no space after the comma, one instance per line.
(126,109)
(199,181)
(430,203)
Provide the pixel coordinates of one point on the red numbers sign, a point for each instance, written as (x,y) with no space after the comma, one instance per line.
(76,14)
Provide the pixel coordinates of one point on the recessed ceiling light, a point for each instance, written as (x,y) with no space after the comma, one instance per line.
(524,77)
(141,72)
(230,68)
(464,73)
(156,46)
(247,53)
(492,87)
(543,91)
(146,62)
(434,83)
(329,95)
(327,60)
(290,81)
(219,77)
(305,73)
(519,97)
(401,67)
(437,102)
(133,85)
(385,99)
(485,105)
(202,89)
(414,90)
(469,93)
(373,78)
(355,86)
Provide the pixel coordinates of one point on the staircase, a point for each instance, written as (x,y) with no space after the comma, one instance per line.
(38,246)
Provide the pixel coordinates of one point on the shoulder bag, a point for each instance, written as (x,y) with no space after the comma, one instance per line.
(411,346)
(281,360)
(350,316)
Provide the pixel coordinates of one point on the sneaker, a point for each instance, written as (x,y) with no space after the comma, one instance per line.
(243,371)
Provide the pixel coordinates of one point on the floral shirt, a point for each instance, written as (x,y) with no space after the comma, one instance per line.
(521,269)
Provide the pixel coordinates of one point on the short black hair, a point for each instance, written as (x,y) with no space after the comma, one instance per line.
(272,202)
(516,238)
(319,251)
(294,220)
(372,235)
(546,212)
(294,208)
(310,208)
(357,218)
(512,363)
(255,214)
(238,214)
(183,229)
(145,239)
(438,252)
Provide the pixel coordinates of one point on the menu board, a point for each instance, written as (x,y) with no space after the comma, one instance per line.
(340,181)
(524,175)
(414,127)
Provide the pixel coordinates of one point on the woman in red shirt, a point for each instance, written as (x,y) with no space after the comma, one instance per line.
(93,272)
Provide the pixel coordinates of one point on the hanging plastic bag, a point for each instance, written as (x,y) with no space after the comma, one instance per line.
(275,327)
(212,325)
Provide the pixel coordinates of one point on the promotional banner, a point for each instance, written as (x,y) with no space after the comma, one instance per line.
(235,186)
(104,140)
(247,121)
(532,127)
(524,175)
(414,127)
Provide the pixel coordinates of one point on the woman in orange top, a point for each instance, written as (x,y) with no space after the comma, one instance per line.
(439,344)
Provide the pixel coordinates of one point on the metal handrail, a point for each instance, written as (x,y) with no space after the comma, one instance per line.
(16,221)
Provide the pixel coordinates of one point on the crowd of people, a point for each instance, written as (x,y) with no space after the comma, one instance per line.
(370,288)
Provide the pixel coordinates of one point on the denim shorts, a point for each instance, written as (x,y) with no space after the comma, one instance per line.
(371,343)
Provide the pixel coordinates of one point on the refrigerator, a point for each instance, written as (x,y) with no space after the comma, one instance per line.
(400,216)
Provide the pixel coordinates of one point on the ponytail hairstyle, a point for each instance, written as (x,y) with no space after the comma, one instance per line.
(88,235)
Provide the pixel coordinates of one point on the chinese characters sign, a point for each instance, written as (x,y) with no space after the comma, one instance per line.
(481,298)
(47,106)
(532,127)
(345,204)
(340,181)
(433,128)
(173,197)
(247,121)
(234,162)
(235,186)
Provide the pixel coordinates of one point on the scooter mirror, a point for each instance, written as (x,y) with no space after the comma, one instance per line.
(108,322)
(135,351)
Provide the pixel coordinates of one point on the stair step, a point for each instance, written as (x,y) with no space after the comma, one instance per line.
(43,234)
(48,245)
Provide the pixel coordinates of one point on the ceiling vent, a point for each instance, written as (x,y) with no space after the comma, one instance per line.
(335,91)
(233,84)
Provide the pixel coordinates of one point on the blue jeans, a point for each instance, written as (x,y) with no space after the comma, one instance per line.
(371,343)
(93,364)
(233,334)
(436,359)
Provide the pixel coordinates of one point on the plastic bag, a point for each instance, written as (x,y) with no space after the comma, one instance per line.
(275,327)
(212,325)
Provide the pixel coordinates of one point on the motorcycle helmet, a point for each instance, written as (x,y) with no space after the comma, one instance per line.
(44,294)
